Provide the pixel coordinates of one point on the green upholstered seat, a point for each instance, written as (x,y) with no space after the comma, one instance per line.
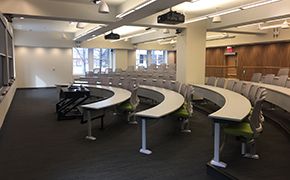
(182,112)
(242,130)
(126,106)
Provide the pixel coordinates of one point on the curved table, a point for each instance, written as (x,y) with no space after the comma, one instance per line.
(169,100)
(234,108)
(116,96)
(277,95)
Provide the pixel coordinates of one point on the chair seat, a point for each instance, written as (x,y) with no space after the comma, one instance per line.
(126,106)
(182,112)
(242,130)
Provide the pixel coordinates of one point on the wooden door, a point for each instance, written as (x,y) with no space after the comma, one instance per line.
(231,65)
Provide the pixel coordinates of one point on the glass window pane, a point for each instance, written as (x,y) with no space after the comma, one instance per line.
(141,58)
(80,61)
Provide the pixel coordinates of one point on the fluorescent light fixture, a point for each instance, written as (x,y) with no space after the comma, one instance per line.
(95,37)
(219,36)
(224,12)
(144,4)
(284,25)
(196,19)
(88,32)
(140,6)
(259,3)
(248,25)
(135,35)
(172,41)
(232,10)
(125,13)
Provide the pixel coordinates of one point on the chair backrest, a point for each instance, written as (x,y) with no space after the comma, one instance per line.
(162,66)
(134,100)
(268,78)
(283,71)
(108,70)
(130,68)
(159,83)
(252,94)
(176,86)
(246,89)
(238,86)
(167,84)
(125,83)
(220,82)
(104,80)
(183,90)
(211,81)
(280,80)
(118,70)
(288,83)
(230,84)
(116,81)
(256,119)
(256,77)
(89,73)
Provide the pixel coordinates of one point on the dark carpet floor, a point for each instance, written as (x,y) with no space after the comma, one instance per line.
(34,145)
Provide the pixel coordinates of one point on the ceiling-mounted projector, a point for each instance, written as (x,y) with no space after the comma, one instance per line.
(112,36)
(172,17)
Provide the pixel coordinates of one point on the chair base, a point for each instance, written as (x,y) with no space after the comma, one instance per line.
(145,151)
(133,122)
(186,131)
(218,164)
(251,156)
(91,138)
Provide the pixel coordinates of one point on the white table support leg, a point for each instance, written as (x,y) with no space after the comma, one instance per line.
(216,160)
(143,148)
(89,136)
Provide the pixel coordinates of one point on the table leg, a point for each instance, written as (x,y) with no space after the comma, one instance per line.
(216,160)
(89,136)
(143,148)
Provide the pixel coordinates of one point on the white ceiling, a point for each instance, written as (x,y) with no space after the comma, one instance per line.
(191,9)
(110,2)
(42,25)
(202,7)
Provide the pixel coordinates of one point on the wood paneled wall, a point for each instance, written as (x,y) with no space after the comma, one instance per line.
(264,58)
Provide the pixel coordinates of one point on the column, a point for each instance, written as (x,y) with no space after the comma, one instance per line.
(191,46)
(91,59)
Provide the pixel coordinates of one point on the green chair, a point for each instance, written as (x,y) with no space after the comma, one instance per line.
(130,106)
(250,129)
(184,113)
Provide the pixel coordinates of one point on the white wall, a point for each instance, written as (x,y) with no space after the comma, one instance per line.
(43,67)
(43,39)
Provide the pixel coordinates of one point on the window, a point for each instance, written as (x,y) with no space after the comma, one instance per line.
(146,57)
(141,58)
(103,59)
(88,59)
(80,61)
(159,57)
